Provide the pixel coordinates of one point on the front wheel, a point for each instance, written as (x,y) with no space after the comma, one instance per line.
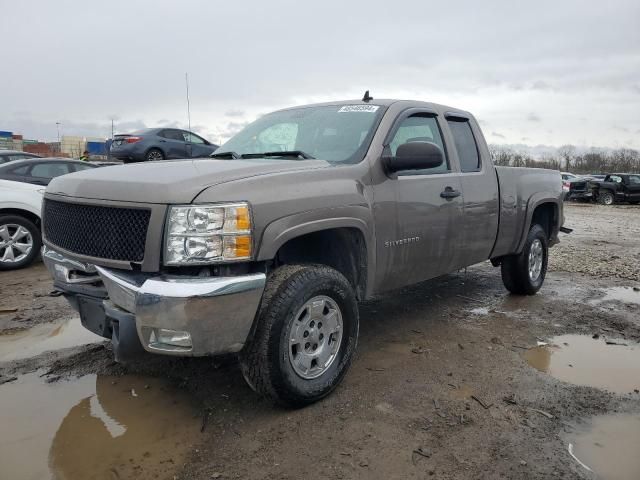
(305,337)
(20,242)
(524,273)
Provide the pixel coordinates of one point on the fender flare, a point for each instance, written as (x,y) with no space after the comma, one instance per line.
(534,202)
(284,229)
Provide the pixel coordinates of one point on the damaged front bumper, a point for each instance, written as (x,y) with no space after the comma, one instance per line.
(167,314)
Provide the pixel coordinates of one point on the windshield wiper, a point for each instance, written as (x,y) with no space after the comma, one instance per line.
(230,155)
(284,153)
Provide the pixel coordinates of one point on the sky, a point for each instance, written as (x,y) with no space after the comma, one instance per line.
(533,73)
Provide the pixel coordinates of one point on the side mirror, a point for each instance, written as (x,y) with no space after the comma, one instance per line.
(415,156)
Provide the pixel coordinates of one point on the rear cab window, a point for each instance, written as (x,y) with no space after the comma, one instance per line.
(465,143)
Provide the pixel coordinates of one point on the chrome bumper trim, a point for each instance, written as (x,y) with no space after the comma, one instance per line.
(218,312)
(67,270)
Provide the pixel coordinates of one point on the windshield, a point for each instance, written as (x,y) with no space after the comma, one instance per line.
(336,133)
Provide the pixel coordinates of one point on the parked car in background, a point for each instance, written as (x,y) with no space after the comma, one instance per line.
(566,181)
(579,189)
(598,177)
(618,187)
(160,144)
(20,237)
(40,171)
(11,155)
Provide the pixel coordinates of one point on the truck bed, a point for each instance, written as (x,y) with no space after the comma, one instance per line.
(521,190)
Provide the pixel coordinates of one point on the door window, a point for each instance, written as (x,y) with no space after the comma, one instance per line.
(78,167)
(615,178)
(465,145)
(634,179)
(192,138)
(20,170)
(419,128)
(49,170)
(173,135)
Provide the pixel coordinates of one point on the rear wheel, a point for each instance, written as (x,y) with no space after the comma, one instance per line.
(606,198)
(524,274)
(306,335)
(154,154)
(20,242)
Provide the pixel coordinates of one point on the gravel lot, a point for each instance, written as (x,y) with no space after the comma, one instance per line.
(440,387)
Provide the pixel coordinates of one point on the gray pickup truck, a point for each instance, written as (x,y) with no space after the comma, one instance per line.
(266,249)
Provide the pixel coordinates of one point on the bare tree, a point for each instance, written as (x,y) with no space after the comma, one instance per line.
(567,154)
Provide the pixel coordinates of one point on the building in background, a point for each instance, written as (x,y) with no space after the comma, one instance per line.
(70,146)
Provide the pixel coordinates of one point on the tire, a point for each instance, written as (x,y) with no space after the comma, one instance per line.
(272,364)
(606,198)
(20,239)
(516,274)
(153,154)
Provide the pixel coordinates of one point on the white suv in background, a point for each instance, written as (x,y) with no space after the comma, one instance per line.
(20,237)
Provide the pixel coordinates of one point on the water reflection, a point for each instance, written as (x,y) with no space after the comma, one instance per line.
(94,427)
(582,360)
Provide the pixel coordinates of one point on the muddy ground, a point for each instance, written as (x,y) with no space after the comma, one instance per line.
(442,385)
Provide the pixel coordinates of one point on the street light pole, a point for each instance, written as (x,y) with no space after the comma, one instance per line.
(58,129)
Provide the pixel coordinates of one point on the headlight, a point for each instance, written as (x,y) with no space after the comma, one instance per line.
(202,234)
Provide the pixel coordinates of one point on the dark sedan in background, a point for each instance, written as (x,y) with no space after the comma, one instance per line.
(40,171)
(12,155)
(160,144)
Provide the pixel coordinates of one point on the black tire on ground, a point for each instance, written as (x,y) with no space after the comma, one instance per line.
(515,268)
(36,241)
(266,361)
(154,154)
(606,197)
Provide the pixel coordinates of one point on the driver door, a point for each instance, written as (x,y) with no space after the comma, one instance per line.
(418,214)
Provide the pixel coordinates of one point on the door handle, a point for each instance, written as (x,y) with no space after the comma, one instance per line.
(449,193)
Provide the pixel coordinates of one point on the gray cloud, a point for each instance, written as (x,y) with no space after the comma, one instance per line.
(509,60)
(532,117)
(497,135)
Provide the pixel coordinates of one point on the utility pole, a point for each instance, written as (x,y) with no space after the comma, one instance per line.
(186,80)
(112,129)
(58,129)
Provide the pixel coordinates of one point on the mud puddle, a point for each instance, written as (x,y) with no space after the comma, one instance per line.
(609,447)
(621,294)
(583,360)
(94,427)
(45,337)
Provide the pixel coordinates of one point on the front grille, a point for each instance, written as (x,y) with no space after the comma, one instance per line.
(104,232)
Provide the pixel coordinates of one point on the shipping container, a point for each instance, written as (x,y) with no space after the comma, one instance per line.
(97,148)
(5,134)
(16,136)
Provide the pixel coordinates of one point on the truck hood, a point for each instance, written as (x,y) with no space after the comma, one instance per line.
(169,182)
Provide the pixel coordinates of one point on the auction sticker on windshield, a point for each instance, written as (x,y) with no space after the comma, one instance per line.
(358,108)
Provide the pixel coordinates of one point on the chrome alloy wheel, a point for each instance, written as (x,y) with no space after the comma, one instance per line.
(15,243)
(536,257)
(315,337)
